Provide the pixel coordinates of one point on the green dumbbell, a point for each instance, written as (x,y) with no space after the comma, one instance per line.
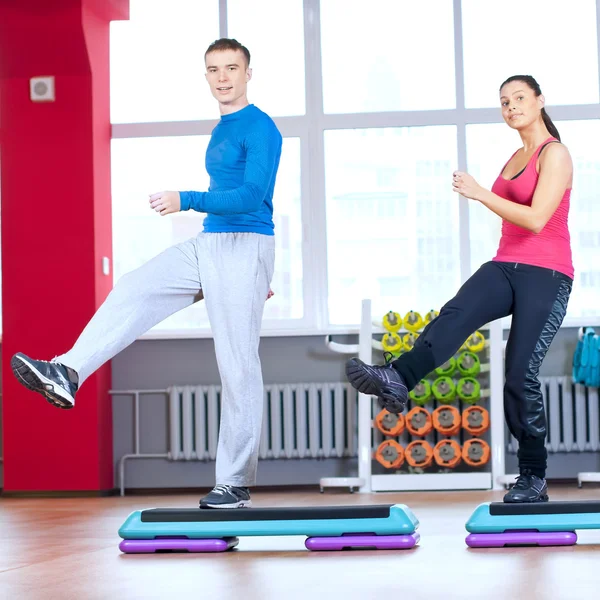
(468,364)
(447,368)
(421,393)
(444,390)
(468,390)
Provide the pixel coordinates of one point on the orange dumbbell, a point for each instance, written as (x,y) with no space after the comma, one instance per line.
(447,453)
(419,454)
(418,421)
(390,454)
(476,452)
(389,423)
(476,420)
(446,420)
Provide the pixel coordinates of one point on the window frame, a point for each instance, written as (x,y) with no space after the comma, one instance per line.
(310,128)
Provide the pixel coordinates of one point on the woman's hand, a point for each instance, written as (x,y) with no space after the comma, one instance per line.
(465,185)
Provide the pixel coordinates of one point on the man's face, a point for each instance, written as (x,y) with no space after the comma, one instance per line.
(228,76)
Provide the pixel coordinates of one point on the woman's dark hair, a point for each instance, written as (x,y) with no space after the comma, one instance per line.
(535,86)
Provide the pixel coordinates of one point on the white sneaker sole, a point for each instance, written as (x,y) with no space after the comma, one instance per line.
(240,504)
(33,380)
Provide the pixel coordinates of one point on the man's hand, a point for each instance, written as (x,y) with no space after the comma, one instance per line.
(165,203)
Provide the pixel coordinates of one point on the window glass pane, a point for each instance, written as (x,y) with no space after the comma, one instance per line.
(287,216)
(276,53)
(555,44)
(141,166)
(488,149)
(581,137)
(387,55)
(392,220)
(157,61)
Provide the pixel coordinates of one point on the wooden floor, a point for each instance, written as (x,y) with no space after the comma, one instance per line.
(67,549)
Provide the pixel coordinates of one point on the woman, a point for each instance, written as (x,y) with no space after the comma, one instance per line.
(530,278)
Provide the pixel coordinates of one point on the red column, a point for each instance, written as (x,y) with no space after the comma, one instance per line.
(56,228)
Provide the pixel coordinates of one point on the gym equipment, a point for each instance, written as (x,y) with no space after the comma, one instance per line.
(443,389)
(421,393)
(409,339)
(418,421)
(390,454)
(474,343)
(476,452)
(447,368)
(389,423)
(430,316)
(364,542)
(447,453)
(326,528)
(586,358)
(178,545)
(468,364)
(468,389)
(392,321)
(413,321)
(392,342)
(476,420)
(521,538)
(419,454)
(497,524)
(446,420)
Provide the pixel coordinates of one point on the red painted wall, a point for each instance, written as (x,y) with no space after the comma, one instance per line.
(56,227)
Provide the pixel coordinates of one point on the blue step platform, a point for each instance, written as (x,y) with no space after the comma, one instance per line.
(499,524)
(323,526)
(496,517)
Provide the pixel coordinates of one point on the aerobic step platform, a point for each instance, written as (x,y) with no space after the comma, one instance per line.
(387,526)
(497,524)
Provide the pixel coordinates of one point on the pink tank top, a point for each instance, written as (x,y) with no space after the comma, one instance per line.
(551,248)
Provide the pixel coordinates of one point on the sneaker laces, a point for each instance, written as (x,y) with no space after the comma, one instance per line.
(221,489)
(523,480)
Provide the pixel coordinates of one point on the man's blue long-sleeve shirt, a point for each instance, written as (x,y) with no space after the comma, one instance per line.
(242,159)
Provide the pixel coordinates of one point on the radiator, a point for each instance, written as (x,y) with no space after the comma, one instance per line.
(304,420)
(573,416)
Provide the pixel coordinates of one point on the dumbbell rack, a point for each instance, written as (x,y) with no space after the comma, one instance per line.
(490,476)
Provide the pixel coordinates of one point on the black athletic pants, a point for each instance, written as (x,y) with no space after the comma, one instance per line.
(537,299)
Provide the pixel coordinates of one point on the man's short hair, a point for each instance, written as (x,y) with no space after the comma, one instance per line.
(228,44)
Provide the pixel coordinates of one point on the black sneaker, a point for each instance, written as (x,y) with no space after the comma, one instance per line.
(381,381)
(54,381)
(227,496)
(528,488)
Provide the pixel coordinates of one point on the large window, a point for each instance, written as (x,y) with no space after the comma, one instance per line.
(380,56)
(276,52)
(142,166)
(489,147)
(541,38)
(378,104)
(392,220)
(157,61)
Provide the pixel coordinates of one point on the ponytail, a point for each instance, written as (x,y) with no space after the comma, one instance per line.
(550,126)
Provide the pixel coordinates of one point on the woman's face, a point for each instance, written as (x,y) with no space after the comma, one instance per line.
(520,106)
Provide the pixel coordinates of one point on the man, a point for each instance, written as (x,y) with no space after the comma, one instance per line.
(230,264)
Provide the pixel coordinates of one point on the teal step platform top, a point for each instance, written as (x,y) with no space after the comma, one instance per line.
(386,519)
(495,517)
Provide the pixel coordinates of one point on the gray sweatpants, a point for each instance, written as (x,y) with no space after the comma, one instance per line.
(234,272)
